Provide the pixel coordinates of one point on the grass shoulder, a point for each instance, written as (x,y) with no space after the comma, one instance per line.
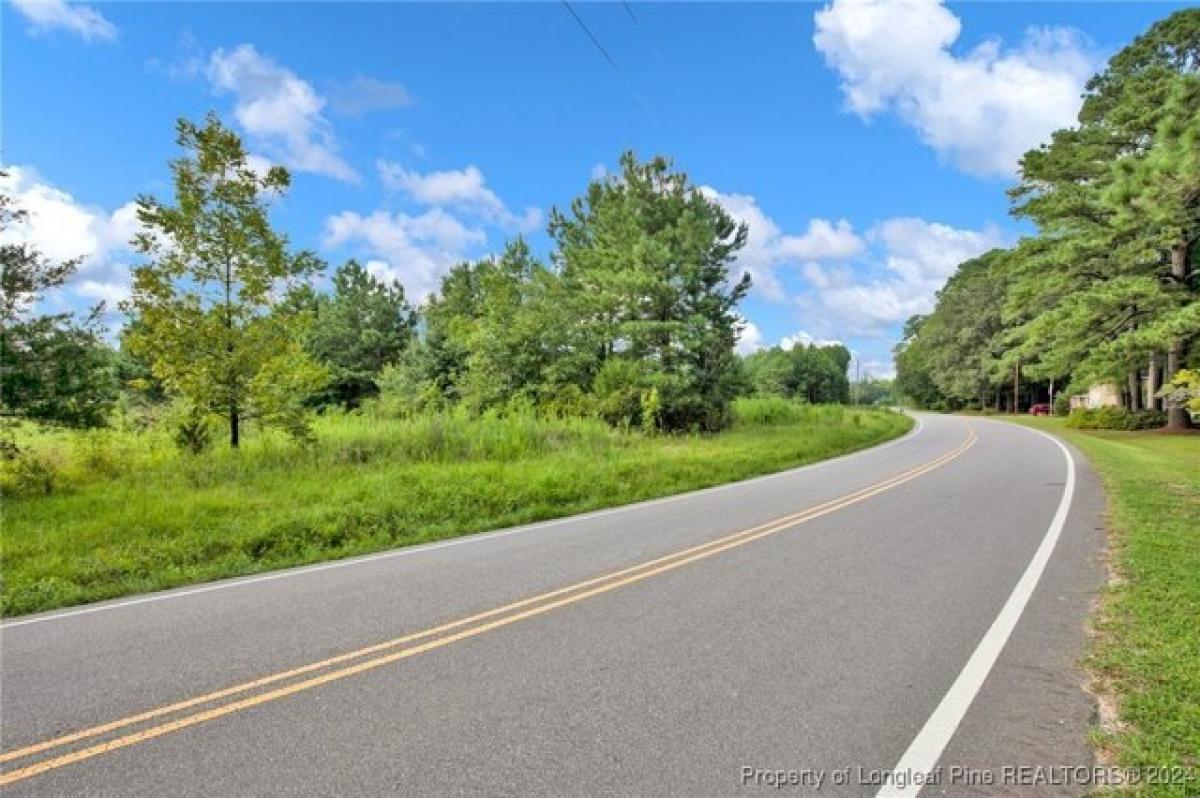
(128,513)
(1147,647)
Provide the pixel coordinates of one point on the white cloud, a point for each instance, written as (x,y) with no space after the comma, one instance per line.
(279,111)
(187,63)
(464,189)
(768,247)
(982,109)
(878,369)
(110,293)
(751,339)
(415,250)
(364,94)
(48,15)
(805,338)
(916,258)
(61,228)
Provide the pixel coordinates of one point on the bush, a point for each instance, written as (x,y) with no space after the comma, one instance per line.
(97,454)
(30,473)
(618,389)
(1117,418)
(1062,404)
(567,401)
(193,433)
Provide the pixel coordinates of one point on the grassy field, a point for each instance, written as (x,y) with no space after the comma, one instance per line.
(1147,648)
(128,512)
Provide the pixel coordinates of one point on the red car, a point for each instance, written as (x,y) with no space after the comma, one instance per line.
(1039,410)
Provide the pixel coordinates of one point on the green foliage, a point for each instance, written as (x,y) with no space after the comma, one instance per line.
(207,320)
(1183,390)
(1117,418)
(767,410)
(366,482)
(1110,281)
(815,374)
(193,432)
(365,326)
(1062,404)
(492,332)
(28,474)
(636,322)
(876,392)
(645,273)
(54,368)
(651,410)
(914,369)
(618,389)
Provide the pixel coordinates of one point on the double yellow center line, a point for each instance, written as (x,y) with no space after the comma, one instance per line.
(361,660)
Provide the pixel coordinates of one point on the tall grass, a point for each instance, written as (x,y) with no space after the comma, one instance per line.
(128,511)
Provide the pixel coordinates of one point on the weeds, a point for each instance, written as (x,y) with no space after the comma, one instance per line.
(112,512)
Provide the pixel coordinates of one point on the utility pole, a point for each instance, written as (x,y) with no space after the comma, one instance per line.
(854,394)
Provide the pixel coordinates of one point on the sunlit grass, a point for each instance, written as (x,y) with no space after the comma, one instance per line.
(1147,650)
(128,512)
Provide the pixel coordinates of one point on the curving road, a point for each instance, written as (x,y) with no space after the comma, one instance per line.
(915,606)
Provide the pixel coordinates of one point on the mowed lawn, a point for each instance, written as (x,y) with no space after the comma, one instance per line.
(128,513)
(1147,647)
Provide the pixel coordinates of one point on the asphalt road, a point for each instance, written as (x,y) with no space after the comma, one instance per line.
(917,604)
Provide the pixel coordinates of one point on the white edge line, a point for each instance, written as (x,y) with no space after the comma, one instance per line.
(927,747)
(458,541)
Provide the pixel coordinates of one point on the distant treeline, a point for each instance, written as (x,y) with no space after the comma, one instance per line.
(634,319)
(1108,290)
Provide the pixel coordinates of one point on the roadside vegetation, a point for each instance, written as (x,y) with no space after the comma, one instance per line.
(129,512)
(260,410)
(1106,292)
(1146,652)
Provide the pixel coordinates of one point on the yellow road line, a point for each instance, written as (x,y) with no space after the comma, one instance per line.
(630,575)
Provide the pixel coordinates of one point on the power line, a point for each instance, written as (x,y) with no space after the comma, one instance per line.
(592,36)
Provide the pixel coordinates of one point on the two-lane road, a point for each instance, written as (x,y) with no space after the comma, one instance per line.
(915,604)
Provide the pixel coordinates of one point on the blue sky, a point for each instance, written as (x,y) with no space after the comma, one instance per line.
(867,143)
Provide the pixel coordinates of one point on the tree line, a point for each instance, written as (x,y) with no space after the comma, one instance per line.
(1108,289)
(634,318)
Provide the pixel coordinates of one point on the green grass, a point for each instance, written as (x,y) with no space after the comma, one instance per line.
(129,513)
(1147,647)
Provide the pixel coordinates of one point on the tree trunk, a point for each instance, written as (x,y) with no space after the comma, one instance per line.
(1152,384)
(1135,392)
(1177,417)
(1016,408)
(234,426)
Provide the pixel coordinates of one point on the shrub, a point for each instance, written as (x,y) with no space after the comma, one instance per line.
(193,433)
(651,407)
(618,389)
(1183,390)
(30,473)
(1115,418)
(97,454)
(1062,404)
(567,401)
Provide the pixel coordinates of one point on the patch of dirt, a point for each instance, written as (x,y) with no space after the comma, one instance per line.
(1108,706)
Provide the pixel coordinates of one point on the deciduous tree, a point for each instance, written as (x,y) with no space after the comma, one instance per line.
(215,272)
